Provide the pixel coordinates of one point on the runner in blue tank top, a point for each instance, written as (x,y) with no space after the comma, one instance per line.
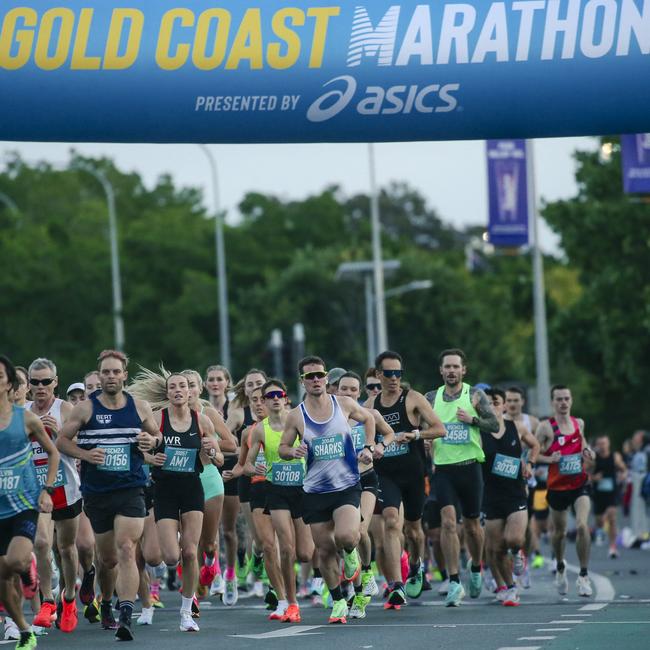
(331,481)
(112,430)
(20,500)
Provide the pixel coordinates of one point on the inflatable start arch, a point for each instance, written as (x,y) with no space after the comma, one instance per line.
(298,71)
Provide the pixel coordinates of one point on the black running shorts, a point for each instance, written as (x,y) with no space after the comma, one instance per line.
(319,508)
(460,485)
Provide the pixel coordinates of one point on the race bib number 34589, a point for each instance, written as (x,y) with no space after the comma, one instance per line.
(457,433)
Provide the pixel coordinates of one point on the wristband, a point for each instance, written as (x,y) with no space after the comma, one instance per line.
(417,434)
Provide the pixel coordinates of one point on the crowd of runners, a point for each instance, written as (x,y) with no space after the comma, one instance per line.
(190,482)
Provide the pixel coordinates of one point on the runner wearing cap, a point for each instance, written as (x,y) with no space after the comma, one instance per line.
(76,393)
(333,377)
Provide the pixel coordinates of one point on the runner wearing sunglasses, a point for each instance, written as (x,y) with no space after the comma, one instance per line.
(284,497)
(66,499)
(401,474)
(331,483)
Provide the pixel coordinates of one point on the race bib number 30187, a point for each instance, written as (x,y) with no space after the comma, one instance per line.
(10,480)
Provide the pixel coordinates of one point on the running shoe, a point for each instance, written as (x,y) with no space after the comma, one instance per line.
(404,565)
(584,586)
(511,598)
(415,583)
(124,631)
(326,597)
(455,595)
(426,583)
(91,612)
(29,580)
(12,633)
(69,617)
(271,599)
(292,615)
(488,580)
(156,602)
(27,641)
(257,566)
(562,583)
(207,574)
(59,613)
(613,552)
(369,584)
(108,619)
(524,579)
(443,589)
(258,589)
(339,612)
(475,582)
(231,594)
(358,609)
(348,592)
(196,611)
(146,616)
(188,624)
(279,613)
(46,615)
(87,589)
(351,565)
(397,596)
(538,561)
(317,586)
(218,585)
(519,563)
(388,605)
(500,593)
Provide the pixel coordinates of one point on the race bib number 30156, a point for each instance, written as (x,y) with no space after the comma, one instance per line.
(117,459)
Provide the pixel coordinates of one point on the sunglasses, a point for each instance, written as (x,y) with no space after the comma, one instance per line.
(275,394)
(42,382)
(315,374)
(373,386)
(391,373)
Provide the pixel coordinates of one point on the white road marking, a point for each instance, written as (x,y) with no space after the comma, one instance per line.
(575,615)
(302,630)
(594,607)
(536,638)
(553,629)
(565,621)
(521,647)
(604,588)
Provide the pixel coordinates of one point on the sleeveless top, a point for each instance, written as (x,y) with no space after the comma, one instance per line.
(280,471)
(19,488)
(568,474)
(607,468)
(114,430)
(399,457)
(67,486)
(231,458)
(331,458)
(181,448)
(502,470)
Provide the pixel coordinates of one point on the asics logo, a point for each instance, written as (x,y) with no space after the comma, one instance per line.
(333,101)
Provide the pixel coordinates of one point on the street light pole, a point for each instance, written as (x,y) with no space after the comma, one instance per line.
(371,342)
(224,328)
(378,268)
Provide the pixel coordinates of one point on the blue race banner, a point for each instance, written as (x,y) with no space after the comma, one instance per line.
(635,156)
(335,71)
(507,192)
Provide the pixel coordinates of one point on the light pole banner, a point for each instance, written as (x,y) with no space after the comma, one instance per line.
(332,71)
(635,155)
(508,192)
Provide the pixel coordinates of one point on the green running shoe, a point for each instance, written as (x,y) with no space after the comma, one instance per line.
(475,582)
(28,641)
(455,595)
(358,609)
(257,566)
(326,597)
(538,562)
(414,584)
(339,612)
(351,565)
(369,584)
(397,597)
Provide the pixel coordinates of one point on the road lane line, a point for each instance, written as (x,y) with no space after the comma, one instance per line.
(565,621)
(553,629)
(593,607)
(520,647)
(575,615)
(536,638)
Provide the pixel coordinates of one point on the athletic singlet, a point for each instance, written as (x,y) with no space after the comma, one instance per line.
(181,448)
(331,458)
(260,461)
(399,457)
(502,470)
(19,488)
(278,470)
(607,468)
(114,430)
(67,486)
(569,473)
(231,458)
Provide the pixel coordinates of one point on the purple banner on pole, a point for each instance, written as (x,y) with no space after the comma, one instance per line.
(635,155)
(508,192)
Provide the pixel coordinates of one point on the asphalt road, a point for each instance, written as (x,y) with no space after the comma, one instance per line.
(618,616)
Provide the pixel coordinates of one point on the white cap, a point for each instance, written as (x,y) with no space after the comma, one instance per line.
(77,386)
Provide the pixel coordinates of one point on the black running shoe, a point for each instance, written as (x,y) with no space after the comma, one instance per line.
(87,589)
(271,600)
(124,631)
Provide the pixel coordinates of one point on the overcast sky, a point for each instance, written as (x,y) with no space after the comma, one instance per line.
(451,175)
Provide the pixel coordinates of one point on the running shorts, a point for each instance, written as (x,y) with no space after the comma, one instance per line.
(174,497)
(22,524)
(460,485)
(212,482)
(407,490)
(319,508)
(229,487)
(258,495)
(563,499)
(370,482)
(285,497)
(101,509)
(68,512)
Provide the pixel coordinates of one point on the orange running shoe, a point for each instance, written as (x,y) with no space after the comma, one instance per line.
(292,615)
(69,616)
(46,616)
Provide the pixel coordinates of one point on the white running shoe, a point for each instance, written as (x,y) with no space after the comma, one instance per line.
(501,594)
(348,591)
(231,594)
(562,583)
(188,624)
(511,597)
(370,586)
(258,589)
(12,633)
(518,563)
(317,587)
(524,579)
(444,587)
(146,617)
(584,586)
(218,586)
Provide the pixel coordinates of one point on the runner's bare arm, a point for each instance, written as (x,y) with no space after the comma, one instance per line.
(250,469)
(360,414)
(235,419)
(620,466)
(286,450)
(424,412)
(530,441)
(36,429)
(65,443)
(227,442)
(487,420)
(209,441)
(150,436)
(383,428)
(544,435)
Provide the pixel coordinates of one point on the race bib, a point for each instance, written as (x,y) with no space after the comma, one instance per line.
(359,437)
(605,485)
(329,447)
(260,460)
(117,459)
(287,474)
(571,464)
(457,433)
(506,466)
(180,459)
(41,475)
(396,448)
(11,479)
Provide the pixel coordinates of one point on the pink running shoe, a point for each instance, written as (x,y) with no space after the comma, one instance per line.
(404,562)
(30,581)
(207,575)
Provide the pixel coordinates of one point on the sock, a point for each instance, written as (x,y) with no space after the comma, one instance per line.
(336,593)
(365,567)
(154,588)
(536,553)
(283,605)
(414,569)
(106,605)
(454,578)
(358,588)
(583,572)
(209,561)
(230,573)
(476,568)
(398,584)
(126,611)
(172,566)
(349,550)
(317,573)
(217,564)
(241,556)
(24,636)
(512,586)
(443,573)
(560,566)
(91,571)
(186,604)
